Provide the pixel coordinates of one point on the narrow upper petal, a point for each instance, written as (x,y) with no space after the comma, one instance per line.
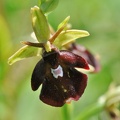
(38,75)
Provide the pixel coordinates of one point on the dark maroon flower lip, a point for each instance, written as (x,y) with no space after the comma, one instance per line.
(87,55)
(61,82)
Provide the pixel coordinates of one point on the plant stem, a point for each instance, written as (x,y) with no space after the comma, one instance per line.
(91,110)
(67,111)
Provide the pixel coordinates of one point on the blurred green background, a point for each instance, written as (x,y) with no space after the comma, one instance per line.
(100,17)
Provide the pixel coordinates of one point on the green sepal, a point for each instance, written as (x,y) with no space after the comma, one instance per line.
(48,5)
(40,24)
(64,23)
(25,52)
(68,36)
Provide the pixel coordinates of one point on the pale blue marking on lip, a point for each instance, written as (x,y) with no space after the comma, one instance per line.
(57,72)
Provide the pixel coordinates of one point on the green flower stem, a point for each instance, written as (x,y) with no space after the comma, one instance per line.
(67,111)
(91,110)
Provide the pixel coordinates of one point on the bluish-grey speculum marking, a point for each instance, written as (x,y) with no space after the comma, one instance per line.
(57,72)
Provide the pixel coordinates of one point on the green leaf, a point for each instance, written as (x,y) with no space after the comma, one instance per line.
(24,52)
(69,36)
(48,5)
(40,24)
